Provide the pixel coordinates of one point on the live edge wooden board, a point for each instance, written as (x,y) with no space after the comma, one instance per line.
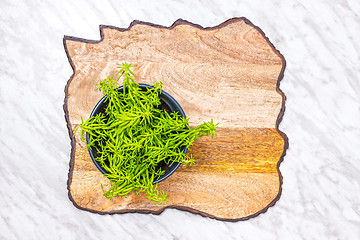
(231,73)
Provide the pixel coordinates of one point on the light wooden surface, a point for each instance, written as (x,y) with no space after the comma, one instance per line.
(229,73)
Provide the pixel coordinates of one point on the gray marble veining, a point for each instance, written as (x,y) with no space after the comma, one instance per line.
(321,191)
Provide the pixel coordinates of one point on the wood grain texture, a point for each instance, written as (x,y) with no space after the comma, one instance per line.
(230,73)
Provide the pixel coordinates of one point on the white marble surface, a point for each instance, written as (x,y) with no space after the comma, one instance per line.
(321,191)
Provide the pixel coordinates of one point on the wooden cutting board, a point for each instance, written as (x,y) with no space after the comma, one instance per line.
(230,73)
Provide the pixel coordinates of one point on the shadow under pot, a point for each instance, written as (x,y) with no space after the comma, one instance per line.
(168,103)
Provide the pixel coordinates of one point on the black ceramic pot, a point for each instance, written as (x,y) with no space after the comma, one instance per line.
(168,103)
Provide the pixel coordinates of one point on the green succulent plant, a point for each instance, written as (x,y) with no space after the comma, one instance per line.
(134,137)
